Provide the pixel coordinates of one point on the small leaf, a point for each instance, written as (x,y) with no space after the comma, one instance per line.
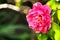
(18,3)
(42,37)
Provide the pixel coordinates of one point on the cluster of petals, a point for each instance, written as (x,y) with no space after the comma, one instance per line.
(39,18)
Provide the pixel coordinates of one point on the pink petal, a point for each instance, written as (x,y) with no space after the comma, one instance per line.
(47,9)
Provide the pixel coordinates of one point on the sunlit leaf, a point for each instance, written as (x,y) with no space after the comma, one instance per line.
(52,4)
(58,6)
(58,14)
(18,3)
(56,28)
(57,36)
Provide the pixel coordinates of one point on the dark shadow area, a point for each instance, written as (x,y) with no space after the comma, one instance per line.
(13,25)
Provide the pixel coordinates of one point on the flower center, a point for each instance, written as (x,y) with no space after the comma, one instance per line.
(39,18)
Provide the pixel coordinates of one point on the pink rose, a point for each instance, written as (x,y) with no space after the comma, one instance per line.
(39,18)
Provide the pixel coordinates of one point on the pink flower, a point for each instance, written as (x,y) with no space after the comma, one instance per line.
(39,18)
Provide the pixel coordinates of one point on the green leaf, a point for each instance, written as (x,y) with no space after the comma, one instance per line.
(58,6)
(18,3)
(58,14)
(42,37)
(56,28)
(52,4)
(57,36)
(50,34)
